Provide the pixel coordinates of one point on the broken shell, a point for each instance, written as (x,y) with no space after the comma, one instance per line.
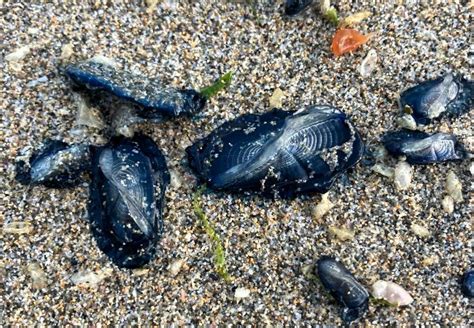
(402,175)
(448,204)
(323,207)
(406,121)
(241,292)
(454,187)
(391,292)
(384,170)
(342,234)
(369,63)
(420,231)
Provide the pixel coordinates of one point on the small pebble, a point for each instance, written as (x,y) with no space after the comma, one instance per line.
(420,231)
(448,204)
(37,275)
(342,234)
(430,260)
(384,170)
(67,51)
(403,175)
(391,292)
(276,98)
(90,279)
(369,63)
(241,292)
(471,168)
(322,208)
(175,180)
(454,187)
(175,267)
(406,121)
(104,60)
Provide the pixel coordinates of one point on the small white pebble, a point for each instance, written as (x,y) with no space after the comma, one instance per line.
(175,267)
(454,187)
(342,234)
(384,170)
(18,54)
(322,208)
(430,260)
(448,204)
(369,63)
(420,231)
(100,59)
(37,275)
(276,98)
(67,51)
(403,175)
(406,121)
(90,279)
(241,292)
(391,292)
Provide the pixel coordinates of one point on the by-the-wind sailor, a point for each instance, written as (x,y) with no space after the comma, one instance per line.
(293,7)
(467,283)
(278,152)
(129,180)
(156,99)
(422,148)
(447,95)
(56,165)
(344,287)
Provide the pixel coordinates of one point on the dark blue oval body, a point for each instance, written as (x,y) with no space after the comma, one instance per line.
(129,180)
(279,152)
(467,284)
(56,165)
(156,99)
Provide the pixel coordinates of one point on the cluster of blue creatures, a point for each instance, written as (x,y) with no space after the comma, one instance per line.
(278,153)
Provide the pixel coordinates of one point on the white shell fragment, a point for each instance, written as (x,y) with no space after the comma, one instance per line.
(241,292)
(175,267)
(87,116)
(448,204)
(322,208)
(384,170)
(37,275)
(342,234)
(454,187)
(406,121)
(18,54)
(403,175)
(276,98)
(90,279)
(18,227)
(67,51)
(369,63)
(391,292)
(420,231)
(471,168)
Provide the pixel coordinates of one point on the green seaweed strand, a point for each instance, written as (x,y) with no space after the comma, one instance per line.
(219,253)
(220,84)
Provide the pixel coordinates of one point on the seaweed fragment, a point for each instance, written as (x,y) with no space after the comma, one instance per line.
(219,252)
(220,84)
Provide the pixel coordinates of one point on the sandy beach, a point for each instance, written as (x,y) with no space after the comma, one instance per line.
(53,274)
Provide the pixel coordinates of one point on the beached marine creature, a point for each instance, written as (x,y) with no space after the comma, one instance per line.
(467,286)
(423,148)
(344,287)
(293,7)
(279,152)
(157,100)
(129,180)
(56,165)
(450,95)
(347,40)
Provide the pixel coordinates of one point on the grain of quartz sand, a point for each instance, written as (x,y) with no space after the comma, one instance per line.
(268,242)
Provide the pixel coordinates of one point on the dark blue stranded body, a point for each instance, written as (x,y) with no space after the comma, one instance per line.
(156,99)
(294,7)
(423,148)
(467,283)
(449,95)
(344,287)
(129,180)
(56,165)
(279,152)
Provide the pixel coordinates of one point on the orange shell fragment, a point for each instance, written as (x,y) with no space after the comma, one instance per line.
(347,40)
